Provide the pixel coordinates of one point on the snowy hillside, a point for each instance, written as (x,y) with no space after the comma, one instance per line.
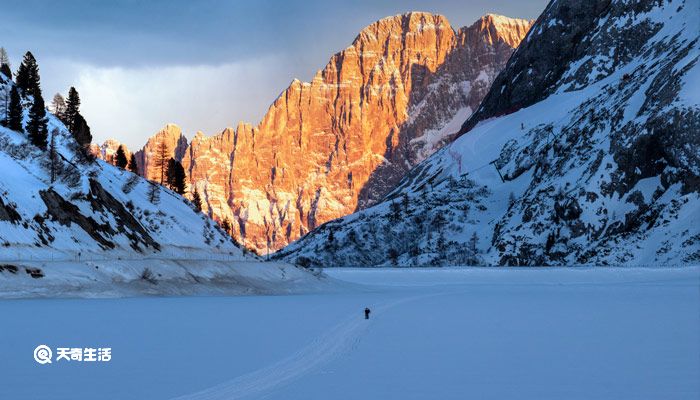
(98,226)
(585,151)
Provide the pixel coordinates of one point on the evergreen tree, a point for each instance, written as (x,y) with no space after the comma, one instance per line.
(395,214)
(197,201)
(154,193)
(133,167)
(4,58)
(551,240)
(120,158)
(81,131)
(330,241)
(72,109)
(28,76)
(473,250)
(5,103)
(226,225)
(37,125)
(176,176)
(160,160)
(58,106)
(53,155)
(441,245)
(14,112)
(5,68)
(393,255)
(473,243)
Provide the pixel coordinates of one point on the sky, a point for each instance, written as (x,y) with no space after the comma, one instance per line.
(203,65)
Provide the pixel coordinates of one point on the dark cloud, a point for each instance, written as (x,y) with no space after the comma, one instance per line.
(132,33)
(108,46)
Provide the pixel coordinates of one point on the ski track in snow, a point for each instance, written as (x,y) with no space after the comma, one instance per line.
(335,342)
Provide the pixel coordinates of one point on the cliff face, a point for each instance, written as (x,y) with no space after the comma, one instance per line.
(443,99)
(338,143)
(585,151)
(175,145)
(537,70)
(108,150)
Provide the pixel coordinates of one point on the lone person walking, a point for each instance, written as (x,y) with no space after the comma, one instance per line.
(367,311)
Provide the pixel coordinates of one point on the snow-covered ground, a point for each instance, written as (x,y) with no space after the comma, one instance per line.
(580,333)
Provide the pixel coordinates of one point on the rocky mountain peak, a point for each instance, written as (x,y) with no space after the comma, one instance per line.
(415,22)
(338,143)
(497,28)
(108,149)
(175,142)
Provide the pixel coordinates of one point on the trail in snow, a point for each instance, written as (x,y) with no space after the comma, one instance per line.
(335,342)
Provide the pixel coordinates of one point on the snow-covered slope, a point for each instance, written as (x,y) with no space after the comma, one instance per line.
(594,126)
(99,225)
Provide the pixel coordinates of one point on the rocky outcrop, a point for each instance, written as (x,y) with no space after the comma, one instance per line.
(336,144)
(108,150)
(445,98)
(175,147)
(537,69)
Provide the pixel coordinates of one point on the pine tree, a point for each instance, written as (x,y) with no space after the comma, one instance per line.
(72,109)
(14,112)
(160,160)
(120,158)
(175,176)
(133,167)
(28,75)
(551,240)
(4,59)
(330,241)
(37,125)
(226,225)
(5,103)
(511,199)
(81,132)
(441,245)
(473,243)
(197,201)
(473,249)
(58,106)
(393,255)
(395,214)
(5,68)
(405,202)
(154,193)
(53,155)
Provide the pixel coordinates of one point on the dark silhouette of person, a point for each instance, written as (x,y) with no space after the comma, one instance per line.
(367,311)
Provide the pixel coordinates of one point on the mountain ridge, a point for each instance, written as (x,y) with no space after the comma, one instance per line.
(602,170)
(341,141)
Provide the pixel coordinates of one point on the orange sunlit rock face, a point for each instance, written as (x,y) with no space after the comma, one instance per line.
(340,142)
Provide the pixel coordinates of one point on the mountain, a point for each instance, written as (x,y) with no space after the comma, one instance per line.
(175,145)
(73,226)
(108,150)
(339,143)
(586,150)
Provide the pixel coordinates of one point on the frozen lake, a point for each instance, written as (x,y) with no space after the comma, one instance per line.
(434,334)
